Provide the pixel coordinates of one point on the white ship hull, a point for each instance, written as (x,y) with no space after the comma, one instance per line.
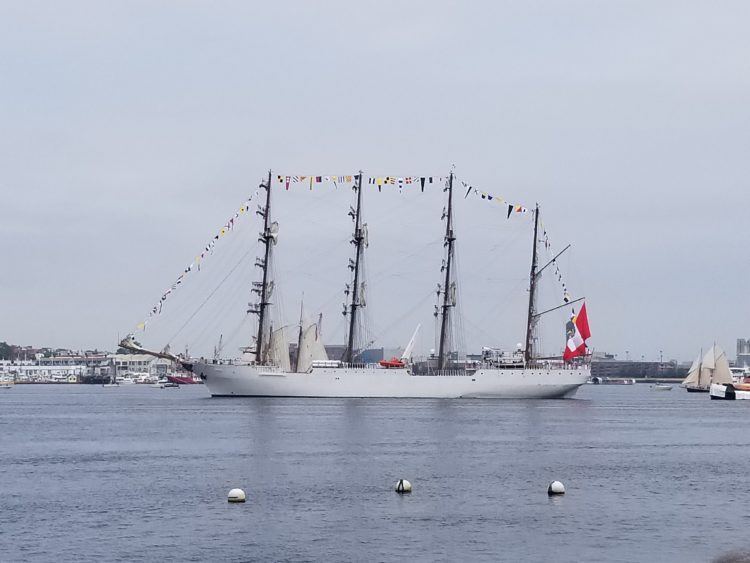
(243,380)
(727,392)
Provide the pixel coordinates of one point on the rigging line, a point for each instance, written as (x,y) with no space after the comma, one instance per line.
(505,244)
(326,252)
(502,303)
(221,312)
(204,284)
(384,273)
(379,333)
(190,318)
(228,337)
(240,325)
(222,258)
(192,283)
(478,329)
(197,331)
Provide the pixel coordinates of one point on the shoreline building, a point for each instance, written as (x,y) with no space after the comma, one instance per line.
(26,371)
(743,353)
(607,365)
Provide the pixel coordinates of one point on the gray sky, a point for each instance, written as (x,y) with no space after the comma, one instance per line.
(132,131)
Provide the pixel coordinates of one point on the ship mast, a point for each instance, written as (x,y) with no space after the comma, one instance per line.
(266,238)
(447,291)
(357,240)
(532,317)
(299,338)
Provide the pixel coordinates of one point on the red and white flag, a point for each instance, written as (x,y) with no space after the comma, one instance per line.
(578,333)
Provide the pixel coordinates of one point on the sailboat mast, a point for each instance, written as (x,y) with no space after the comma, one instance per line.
(447,298)
(299,338)
(266,238)
(357,241)
(528,352)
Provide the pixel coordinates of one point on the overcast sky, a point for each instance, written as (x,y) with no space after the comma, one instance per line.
(130,132)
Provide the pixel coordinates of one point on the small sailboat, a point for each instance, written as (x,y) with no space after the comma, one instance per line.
(693,382)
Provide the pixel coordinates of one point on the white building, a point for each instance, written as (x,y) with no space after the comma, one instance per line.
(28,372)
(135,365)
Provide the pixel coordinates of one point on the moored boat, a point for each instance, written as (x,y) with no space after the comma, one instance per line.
(722,384)
(184,379)
(730,391)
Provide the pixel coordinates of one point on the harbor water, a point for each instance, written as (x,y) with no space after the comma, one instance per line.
(141,474)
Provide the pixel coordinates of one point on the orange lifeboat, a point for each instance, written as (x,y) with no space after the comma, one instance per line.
(393,363)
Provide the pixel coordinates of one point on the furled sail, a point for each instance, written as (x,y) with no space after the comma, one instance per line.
(311,348)
(278,350)
(319,350)
(273,232)
(693,376)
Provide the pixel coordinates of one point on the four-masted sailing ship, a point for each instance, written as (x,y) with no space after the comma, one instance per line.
(266,370)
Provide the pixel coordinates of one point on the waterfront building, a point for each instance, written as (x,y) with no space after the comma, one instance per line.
(607,365)
(30,372)
(135,365)
(743,353)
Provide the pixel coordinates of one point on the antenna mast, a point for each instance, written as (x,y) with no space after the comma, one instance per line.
(266,238)
(357,240)
(531,319)
(447,290)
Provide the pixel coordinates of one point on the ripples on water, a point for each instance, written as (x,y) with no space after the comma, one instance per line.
(135,473)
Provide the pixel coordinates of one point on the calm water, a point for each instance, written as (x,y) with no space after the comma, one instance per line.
(136,473)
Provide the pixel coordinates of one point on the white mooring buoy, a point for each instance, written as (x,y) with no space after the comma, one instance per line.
(403,486)
(556,488)
(236,495)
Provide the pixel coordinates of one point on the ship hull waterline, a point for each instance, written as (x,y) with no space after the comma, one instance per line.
(237,380)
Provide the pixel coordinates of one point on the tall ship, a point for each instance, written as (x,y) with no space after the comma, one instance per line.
(266,369)
(708,370)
